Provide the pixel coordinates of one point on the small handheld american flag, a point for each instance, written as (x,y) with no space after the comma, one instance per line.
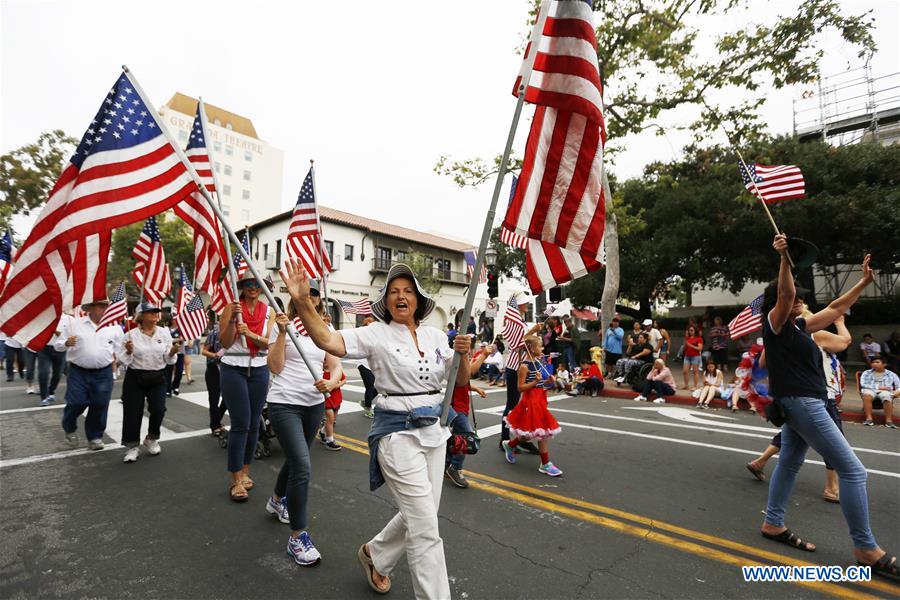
(513,333)
(773,183)
(357,307)
(748,320)
(151,272)
(192,319)
(117,309)
(471,256)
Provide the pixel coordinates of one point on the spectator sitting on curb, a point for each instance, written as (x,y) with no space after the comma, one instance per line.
(563,377)
(658,380)
(589,380)
(879,384)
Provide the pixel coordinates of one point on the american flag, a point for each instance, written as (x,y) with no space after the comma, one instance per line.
(117,309)
(547,265)
(298,325)
(192,319)
(471,256)
(304,240)
(7,249)
(90,256)
(748,320)
(123,170)
(151,272)
(513,333)
(209,251)
(222,293)
(559,198)
(776,183)
(357,307)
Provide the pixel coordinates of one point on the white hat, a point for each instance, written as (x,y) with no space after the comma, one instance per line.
(523,297)
(647,322)
(401,270)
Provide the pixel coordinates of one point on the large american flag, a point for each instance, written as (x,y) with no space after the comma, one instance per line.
(117,309)
(471,256)
(151,272)
(356,307)
(748,320)
(513,333)
(222,293)
(209,251)
(775,183)
(123,170)
(7,249)
(304,239)
(559,198)
(192,319)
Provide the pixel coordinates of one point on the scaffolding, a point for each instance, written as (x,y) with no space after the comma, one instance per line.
(850,107)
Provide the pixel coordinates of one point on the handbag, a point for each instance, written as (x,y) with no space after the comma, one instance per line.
(775,413)
(468,442)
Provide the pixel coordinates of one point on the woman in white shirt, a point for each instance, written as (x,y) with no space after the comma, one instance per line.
(406,442)
(244,333)
(296,407)
(713,384)
(145,351)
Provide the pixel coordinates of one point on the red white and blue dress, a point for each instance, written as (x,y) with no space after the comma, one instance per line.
(530,419)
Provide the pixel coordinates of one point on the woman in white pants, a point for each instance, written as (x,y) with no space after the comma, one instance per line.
(407,443)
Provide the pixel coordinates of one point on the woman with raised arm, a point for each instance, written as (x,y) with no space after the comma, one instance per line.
(797,384)
(411,363)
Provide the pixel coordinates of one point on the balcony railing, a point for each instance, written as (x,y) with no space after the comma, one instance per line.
(380,265)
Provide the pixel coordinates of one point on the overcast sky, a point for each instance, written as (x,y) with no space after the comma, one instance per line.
(375,92)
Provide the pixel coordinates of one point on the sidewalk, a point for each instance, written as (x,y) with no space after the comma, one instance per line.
(851,405)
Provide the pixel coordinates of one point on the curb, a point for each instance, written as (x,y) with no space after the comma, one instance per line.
(628,394)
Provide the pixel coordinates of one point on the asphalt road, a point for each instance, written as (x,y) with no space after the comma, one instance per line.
(655,502)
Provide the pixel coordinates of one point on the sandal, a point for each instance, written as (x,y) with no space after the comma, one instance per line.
(757,472)
(886,566)
(831,497)
(238,492)
(247,483)
(791,539)
(366,561)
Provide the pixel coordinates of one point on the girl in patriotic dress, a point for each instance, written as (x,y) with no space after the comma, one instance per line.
(530,419)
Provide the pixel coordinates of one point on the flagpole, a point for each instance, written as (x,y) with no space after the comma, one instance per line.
(321,244)
(314,369)
(232,274)
(492,210)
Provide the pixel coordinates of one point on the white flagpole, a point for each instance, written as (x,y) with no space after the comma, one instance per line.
(312,171)
(492,210)
(314,369)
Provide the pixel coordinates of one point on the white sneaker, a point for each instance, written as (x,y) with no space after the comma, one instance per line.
(640,398)
(132,454)
(72,439)
(659,401)
(30,390)
(619,380)
(96,444)
(152,446)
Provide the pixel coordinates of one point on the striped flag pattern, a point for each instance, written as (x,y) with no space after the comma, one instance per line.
(7,250)
(506,236)
(192,319)
(748,320)
(298,325)
(117,309)
(775,183)
(513,333)
(151,271)
(123,170)
(209,251)
(90,258)
(559,198)
(222,292)
(356,307)
(471,256)
(304,240)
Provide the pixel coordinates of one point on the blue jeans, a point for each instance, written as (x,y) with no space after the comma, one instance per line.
(49,359)
(244,391)
(458,424)
(569,354)
(493,373)
(808,424)
(17,355)
(512,399)
(591,384)
(295,427)
(91,390)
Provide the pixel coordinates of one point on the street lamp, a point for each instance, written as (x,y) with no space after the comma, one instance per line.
(490,256)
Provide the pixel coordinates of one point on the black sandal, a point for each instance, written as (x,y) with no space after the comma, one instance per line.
(886,566)
(791,539)
(757,472)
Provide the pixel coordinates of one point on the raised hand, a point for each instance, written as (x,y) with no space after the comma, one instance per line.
(295,279)
(780,244)
(282,321)
(867,272)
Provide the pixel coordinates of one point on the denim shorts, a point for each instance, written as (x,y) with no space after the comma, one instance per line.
(692,360)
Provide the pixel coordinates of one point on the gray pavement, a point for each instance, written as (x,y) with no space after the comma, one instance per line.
(655,502)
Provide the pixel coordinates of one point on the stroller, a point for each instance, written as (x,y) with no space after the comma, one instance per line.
(264,440)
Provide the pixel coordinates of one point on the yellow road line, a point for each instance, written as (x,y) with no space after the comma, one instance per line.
(490,484)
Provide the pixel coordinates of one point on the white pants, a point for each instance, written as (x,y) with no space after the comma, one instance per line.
(414,474)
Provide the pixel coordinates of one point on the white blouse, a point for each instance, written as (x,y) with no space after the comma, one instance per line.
(400,368)
(94,348)
(237,355)
(151,352)
(295,384)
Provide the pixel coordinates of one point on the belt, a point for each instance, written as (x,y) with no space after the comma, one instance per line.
(428,393)
(80,368)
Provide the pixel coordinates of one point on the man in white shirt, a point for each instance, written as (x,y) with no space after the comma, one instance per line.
(654,337)
(90,353)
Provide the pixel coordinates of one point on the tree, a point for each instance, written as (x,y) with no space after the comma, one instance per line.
(654,60)
(28,174)
(178,243)
(423,266)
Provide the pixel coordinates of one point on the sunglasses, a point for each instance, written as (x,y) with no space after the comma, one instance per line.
(252,284)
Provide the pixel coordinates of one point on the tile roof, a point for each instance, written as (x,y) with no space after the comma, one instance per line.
(188,106)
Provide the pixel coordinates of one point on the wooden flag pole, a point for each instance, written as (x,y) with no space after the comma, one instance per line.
(314,369)
(492,210)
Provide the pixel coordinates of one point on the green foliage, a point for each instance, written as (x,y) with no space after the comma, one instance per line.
(423,266)
(177,241)
(28,174)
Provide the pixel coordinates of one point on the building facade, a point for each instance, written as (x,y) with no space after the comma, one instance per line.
(362,251)
(249,171)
